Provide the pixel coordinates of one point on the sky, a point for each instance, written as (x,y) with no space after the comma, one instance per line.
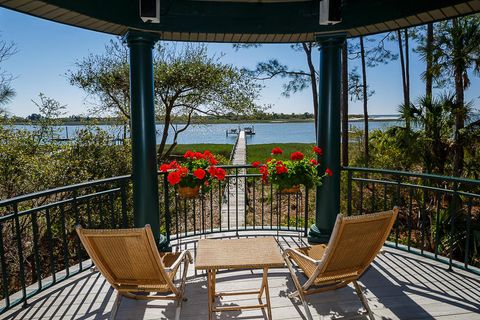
(47,50)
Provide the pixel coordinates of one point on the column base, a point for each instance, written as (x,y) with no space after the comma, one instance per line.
(316,235)
(163,245)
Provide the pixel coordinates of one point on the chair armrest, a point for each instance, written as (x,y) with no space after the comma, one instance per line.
(290,251)
(184,255)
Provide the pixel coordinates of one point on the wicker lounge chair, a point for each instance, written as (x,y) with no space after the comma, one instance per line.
(131,263)
(354,243)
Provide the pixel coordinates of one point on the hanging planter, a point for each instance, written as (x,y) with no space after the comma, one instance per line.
(288,174)
(196,171)
(290,190)
(188,192)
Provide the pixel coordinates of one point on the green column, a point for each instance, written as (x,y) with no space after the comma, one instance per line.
(327,201)
(144,153)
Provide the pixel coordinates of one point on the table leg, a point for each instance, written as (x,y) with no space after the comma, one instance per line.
(267,292)
(214,283)
(210,299)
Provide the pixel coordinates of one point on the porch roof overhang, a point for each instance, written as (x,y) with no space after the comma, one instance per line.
(245,21)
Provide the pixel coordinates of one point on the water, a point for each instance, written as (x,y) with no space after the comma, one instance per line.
(269,132)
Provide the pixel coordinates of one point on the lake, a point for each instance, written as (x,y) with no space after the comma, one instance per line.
(268,132)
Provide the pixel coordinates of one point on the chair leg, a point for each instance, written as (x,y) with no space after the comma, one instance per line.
(299,291)
(113,313)
(363,299)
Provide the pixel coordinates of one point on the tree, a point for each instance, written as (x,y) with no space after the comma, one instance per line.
(369,57)
(7,49)
(49,111)
(187,83)
(106,78)
(456,51)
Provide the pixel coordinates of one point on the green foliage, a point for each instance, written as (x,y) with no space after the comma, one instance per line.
(288,173)
(395,148)
(27,166)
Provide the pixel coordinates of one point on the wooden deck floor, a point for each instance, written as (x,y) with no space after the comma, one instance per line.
(398,286)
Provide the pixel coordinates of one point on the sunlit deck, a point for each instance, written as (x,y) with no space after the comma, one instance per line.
(399,285)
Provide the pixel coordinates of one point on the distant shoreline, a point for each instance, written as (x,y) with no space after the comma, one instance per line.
(352,118)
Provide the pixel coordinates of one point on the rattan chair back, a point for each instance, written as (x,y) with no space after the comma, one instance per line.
(126,257)
(354,243)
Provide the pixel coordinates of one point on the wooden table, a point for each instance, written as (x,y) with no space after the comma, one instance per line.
(234,254)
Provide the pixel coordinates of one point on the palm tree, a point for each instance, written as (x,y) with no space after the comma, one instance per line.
(456,51)
(434,117)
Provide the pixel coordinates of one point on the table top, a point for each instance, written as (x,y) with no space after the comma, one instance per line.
(251,253)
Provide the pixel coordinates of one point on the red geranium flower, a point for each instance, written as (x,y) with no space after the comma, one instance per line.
(329,172)
(220,174)
(255,164)
(212,160)
(183,171)
(164,167)
(188,154)
(314,162)
(318,150)
(200,173)
(277,150)
(173,177)
(297,155)
(212,171)
(281,169)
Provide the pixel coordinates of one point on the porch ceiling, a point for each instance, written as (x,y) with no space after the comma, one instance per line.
(256,21)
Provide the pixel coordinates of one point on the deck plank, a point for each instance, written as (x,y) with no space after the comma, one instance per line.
(398,285)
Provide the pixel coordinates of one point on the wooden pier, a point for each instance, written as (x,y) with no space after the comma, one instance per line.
(233,204)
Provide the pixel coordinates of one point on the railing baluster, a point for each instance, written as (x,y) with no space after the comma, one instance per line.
(361,198)
(123,194)
(220,204)
(271,206)
(437,224)
(236,201)
(194,210)
(112,211)
(254,203)
(296,211)
(384,197)
(211,209)
(468,227)
(166,208)
(349,193)
(306,212)
(202,208)
(245,200)
(77,222)
(409,218)
(228,204)
(177,226)
(263,205)
(64,239)
(20,255)
(288,212)
(6,294)
(453,213)
(185,221)
(50,246)
(373,197)
(35,250)
(423,213)
(89,214)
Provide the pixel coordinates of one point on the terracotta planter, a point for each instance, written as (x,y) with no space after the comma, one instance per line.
(188,192)
(292,190)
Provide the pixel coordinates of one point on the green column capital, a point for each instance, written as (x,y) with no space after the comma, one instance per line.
(332,39)
(135,36)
